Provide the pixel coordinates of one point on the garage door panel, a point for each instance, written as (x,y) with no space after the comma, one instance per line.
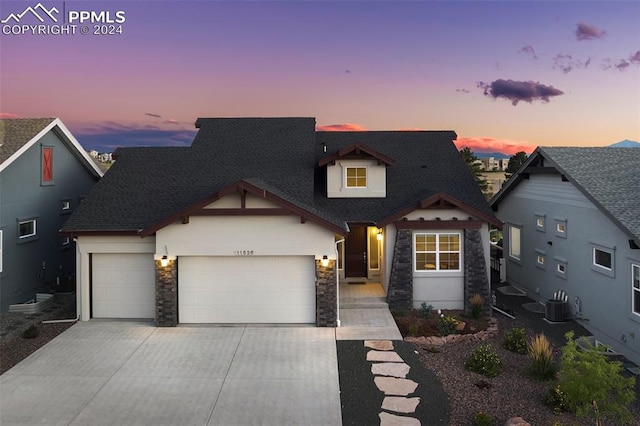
(258,289)
(123,285)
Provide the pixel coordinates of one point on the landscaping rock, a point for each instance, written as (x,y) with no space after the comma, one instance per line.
(394,369)
(380,345)
(394,386)
(400,404)
(516,421)
(383,356)
(387,419)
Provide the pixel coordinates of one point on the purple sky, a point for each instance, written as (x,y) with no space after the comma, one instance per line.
(505,75)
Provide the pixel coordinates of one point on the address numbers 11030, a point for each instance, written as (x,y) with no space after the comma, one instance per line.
(244,252)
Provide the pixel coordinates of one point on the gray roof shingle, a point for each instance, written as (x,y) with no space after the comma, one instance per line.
(16,132)
(610,177)
(280,155)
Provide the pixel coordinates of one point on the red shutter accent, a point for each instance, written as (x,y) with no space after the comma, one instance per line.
(47,164)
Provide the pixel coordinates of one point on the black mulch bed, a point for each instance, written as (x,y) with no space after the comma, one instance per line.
(362,401)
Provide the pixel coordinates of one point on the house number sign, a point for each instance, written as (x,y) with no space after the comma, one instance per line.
(244,252)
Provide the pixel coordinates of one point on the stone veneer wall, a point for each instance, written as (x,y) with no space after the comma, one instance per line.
(400,292)
(167,294)
(326,294)
(475,271)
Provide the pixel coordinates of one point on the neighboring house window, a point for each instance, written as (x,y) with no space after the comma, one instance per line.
(561,228)
(26,228)
(65,206)
(540,259)
(514,242)
(47,165)
(602,258)
(635,287)
(540,219)
(64,242)
(561,267)
(437,252)
(356,177)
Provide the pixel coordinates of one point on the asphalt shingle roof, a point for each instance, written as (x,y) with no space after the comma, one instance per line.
(280,155)
(609,176)
(16,132)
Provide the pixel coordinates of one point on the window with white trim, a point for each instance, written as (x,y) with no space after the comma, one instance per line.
(26,228)
(65,241)
(65,206)
(540,259)
(356,177)
(635,288)
(603,258)
(514,242)
(437,251)
(561,267)
(540,222)
(561,228)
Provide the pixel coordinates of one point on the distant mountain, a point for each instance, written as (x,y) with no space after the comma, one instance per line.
(498,155)
(626,144)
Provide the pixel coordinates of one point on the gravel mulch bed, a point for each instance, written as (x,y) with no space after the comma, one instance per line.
(14,348)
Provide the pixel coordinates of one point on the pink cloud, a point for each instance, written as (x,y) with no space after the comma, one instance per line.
(8,115)
(346,127)
(479,145)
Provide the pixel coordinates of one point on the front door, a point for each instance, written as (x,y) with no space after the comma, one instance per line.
(356,252)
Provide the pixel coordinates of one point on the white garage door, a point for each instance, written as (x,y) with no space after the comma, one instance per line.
(123,285)
(260,289)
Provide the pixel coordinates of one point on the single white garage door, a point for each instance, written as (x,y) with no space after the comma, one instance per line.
(123,285)
(251,289)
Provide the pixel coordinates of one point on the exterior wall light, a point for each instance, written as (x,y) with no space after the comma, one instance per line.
(379,236)
(325,261)
(164,261)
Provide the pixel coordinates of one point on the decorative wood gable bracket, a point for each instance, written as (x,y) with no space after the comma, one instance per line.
(440,201)
(357,150)
(285,208)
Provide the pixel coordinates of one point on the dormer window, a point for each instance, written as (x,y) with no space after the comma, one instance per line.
(356,177)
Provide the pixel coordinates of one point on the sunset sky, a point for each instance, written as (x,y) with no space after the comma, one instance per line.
(505,75)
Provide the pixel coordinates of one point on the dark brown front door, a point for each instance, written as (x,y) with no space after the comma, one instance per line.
(356,252)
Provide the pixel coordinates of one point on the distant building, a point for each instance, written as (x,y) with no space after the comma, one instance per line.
(93,153)
(491,163)
(105,157)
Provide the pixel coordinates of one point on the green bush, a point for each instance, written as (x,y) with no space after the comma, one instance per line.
(540,353)
(557,400)
(484,360)
(32,332)
(587,378)
(515,340)
(425,310)
(482,419)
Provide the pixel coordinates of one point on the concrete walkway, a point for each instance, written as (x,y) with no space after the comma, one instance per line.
(123,373)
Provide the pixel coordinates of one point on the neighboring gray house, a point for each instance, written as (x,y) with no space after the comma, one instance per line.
(44,173)
(572,222)
(259,218)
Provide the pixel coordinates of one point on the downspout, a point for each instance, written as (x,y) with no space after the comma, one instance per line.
(337,284)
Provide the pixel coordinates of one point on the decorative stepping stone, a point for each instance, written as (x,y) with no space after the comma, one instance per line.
(394,386)
(383,356)
(380,345)
(387,419)
(399,404)
(394,369)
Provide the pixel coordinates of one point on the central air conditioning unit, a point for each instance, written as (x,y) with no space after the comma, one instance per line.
(556,309)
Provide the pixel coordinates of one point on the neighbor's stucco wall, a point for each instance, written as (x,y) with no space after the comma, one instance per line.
(33,266)
(86,246)
(337,181)
(605,299)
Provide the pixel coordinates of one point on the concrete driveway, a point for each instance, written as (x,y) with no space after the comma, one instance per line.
(127,373)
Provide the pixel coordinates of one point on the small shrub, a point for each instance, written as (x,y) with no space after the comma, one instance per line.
(540,355)
(425,310)
(482,419)
(515,340)
(413,329)
(32,332)
(433,349)
(447,325)
(557,400)
(587,376)
(484,360)
(477,303)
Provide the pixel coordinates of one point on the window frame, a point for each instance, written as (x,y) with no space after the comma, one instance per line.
(356,168)
(437,251)
(602,265)
(540,222)
(561,263)
(635,291)
(66,201)
(601,268)
(31,236)
(561,233)
(517,258)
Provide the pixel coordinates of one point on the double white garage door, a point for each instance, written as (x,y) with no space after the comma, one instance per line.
(252,289)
